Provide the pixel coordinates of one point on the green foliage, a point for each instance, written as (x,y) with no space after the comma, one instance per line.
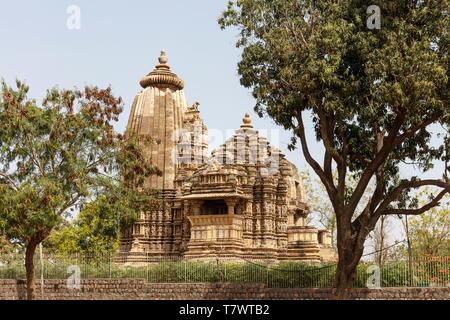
(95,231)
(61,156)
(320,56)
(52,156)
(378,99)
(299,53)
(430,233)
(283,275)
(6,246)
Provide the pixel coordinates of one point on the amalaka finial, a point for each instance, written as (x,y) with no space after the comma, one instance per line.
(162,75)
(246,122)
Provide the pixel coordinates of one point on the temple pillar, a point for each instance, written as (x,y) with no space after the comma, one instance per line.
(196,207)
(231,204)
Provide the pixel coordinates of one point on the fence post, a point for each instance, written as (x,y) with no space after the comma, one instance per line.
(42,271)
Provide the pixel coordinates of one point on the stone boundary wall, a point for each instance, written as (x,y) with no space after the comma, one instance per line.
(138,289)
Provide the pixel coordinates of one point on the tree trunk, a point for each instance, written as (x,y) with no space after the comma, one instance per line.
(345,276)
(29,266)
(349,254)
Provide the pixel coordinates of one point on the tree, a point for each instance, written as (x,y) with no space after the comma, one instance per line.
(430,233)
(6,246)
(376,98)
(94,232)
(57,156)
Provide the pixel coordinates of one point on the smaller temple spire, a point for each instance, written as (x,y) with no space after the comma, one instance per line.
(246,122)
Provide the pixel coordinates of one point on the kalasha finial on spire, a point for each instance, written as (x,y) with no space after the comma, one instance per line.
(246,122)
(163,61)
(163,57)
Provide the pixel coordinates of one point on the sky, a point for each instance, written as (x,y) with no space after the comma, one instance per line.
(118,42)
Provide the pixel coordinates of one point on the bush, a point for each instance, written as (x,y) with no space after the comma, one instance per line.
(282,275)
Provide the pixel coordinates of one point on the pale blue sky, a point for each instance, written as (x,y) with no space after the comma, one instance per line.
(119,42)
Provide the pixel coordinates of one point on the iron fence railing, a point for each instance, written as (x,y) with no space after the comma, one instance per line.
(425,272)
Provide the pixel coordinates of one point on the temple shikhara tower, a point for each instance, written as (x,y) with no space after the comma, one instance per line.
(244,201)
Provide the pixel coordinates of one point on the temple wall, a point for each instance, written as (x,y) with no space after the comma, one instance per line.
(139,289)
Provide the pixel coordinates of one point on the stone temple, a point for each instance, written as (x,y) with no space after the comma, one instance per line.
(244,201)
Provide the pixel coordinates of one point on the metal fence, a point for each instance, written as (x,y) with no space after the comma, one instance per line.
(424,272)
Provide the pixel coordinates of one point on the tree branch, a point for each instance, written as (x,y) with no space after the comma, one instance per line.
(69,204)
(428,206)
(328,158)
(380,157)
(33,155)
(395,193)
(326,130)
(329,185)
(379,175)
(412,131)
(370,216)
(10,180)
(342,168)
(327,162)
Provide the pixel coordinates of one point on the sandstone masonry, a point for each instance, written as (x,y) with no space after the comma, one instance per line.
(244,201)
(139,289)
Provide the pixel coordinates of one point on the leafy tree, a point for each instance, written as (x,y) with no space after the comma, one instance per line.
(376,98)
(6,246)
(94,232)
(56,156)
(62,240)
(430,233)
